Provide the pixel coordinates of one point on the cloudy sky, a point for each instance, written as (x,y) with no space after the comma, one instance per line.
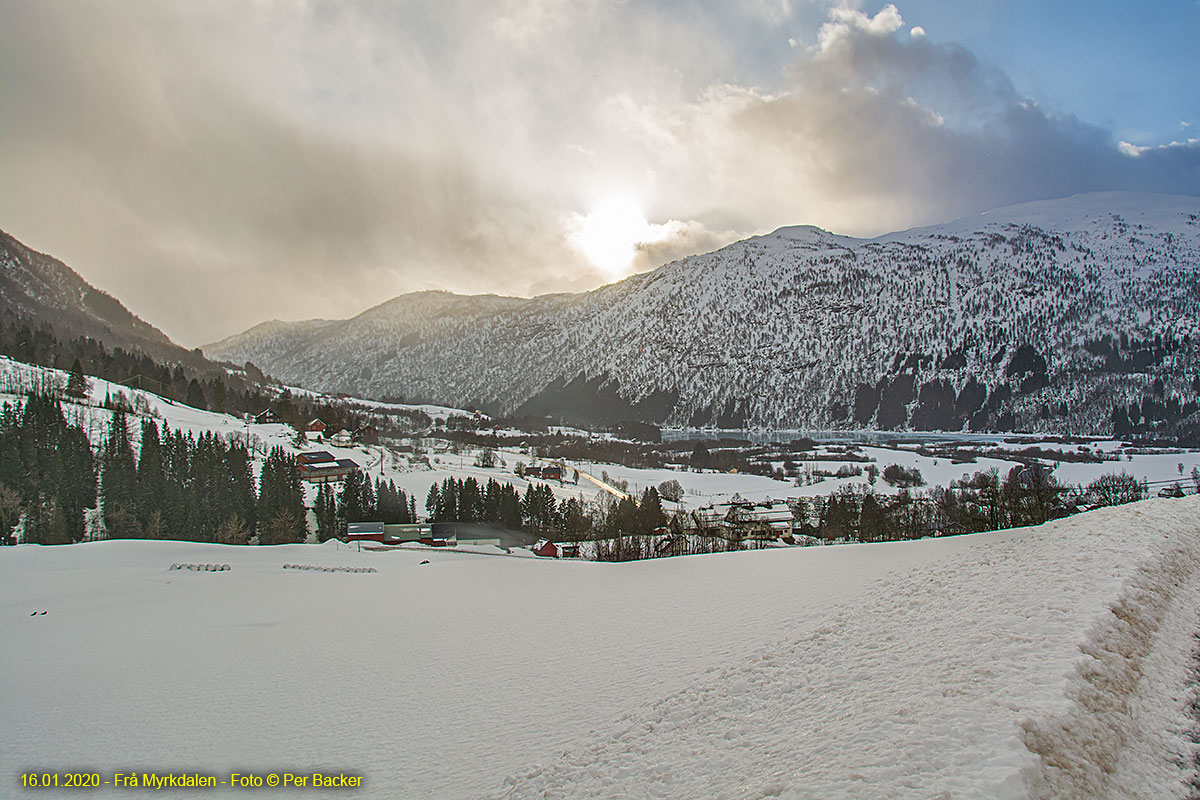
(217,163)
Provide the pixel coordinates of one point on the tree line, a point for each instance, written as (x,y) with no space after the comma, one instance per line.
(178,486)
(47,471)
(196,488)
(359,501)
(538,511)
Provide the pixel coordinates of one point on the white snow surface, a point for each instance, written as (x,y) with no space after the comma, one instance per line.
(1030,663)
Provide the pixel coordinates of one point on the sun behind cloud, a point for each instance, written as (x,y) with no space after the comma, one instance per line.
(608,235)
(616,238)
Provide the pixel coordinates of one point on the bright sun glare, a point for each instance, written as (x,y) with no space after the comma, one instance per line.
(608,234)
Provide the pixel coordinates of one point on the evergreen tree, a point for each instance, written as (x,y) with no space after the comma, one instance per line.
(510,507)
(218,396)
(281,513)
(875,525)
(574,519)
(45,523)
(448,506)
(392,504)
(10,511)
(195,395)
(77,384)
(491,501)
(470,501)
(623,517)
(367,501)
(538,508)
(241,485)
(325,508)
(43,459)
(351,502)
(151,482)
(118,482)
(432,502)
(650,512)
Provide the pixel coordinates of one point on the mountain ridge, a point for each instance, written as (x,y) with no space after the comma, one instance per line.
(805,328)
(38,289)
(1059,315)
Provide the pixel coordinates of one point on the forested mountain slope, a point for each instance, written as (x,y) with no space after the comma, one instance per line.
(1072,315)
(37,289)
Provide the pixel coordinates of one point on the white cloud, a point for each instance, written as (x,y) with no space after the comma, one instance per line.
(774,12)
(844,21)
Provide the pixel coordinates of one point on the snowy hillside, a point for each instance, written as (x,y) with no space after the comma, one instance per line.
(38,288)
(1044,316)
(1029,663)
(440,459)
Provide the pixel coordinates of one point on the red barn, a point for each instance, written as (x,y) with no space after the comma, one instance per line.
(548,549)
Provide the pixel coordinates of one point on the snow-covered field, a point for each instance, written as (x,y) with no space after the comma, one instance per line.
(1043,662)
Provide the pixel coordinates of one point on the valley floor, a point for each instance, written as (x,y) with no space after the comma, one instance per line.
(1028,663)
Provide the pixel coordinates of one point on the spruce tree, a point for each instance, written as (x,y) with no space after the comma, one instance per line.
(351,499)
(77,384)
(650,511)
(151,482)
(118,482)
(281,513)
(433,502)
(195,395)
(218,396)
(367,504)
(325,507)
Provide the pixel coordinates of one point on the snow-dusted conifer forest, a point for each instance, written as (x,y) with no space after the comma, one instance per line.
(1058,316)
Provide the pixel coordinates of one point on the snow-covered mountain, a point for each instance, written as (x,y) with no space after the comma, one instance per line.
(1048,315)
(39,289)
